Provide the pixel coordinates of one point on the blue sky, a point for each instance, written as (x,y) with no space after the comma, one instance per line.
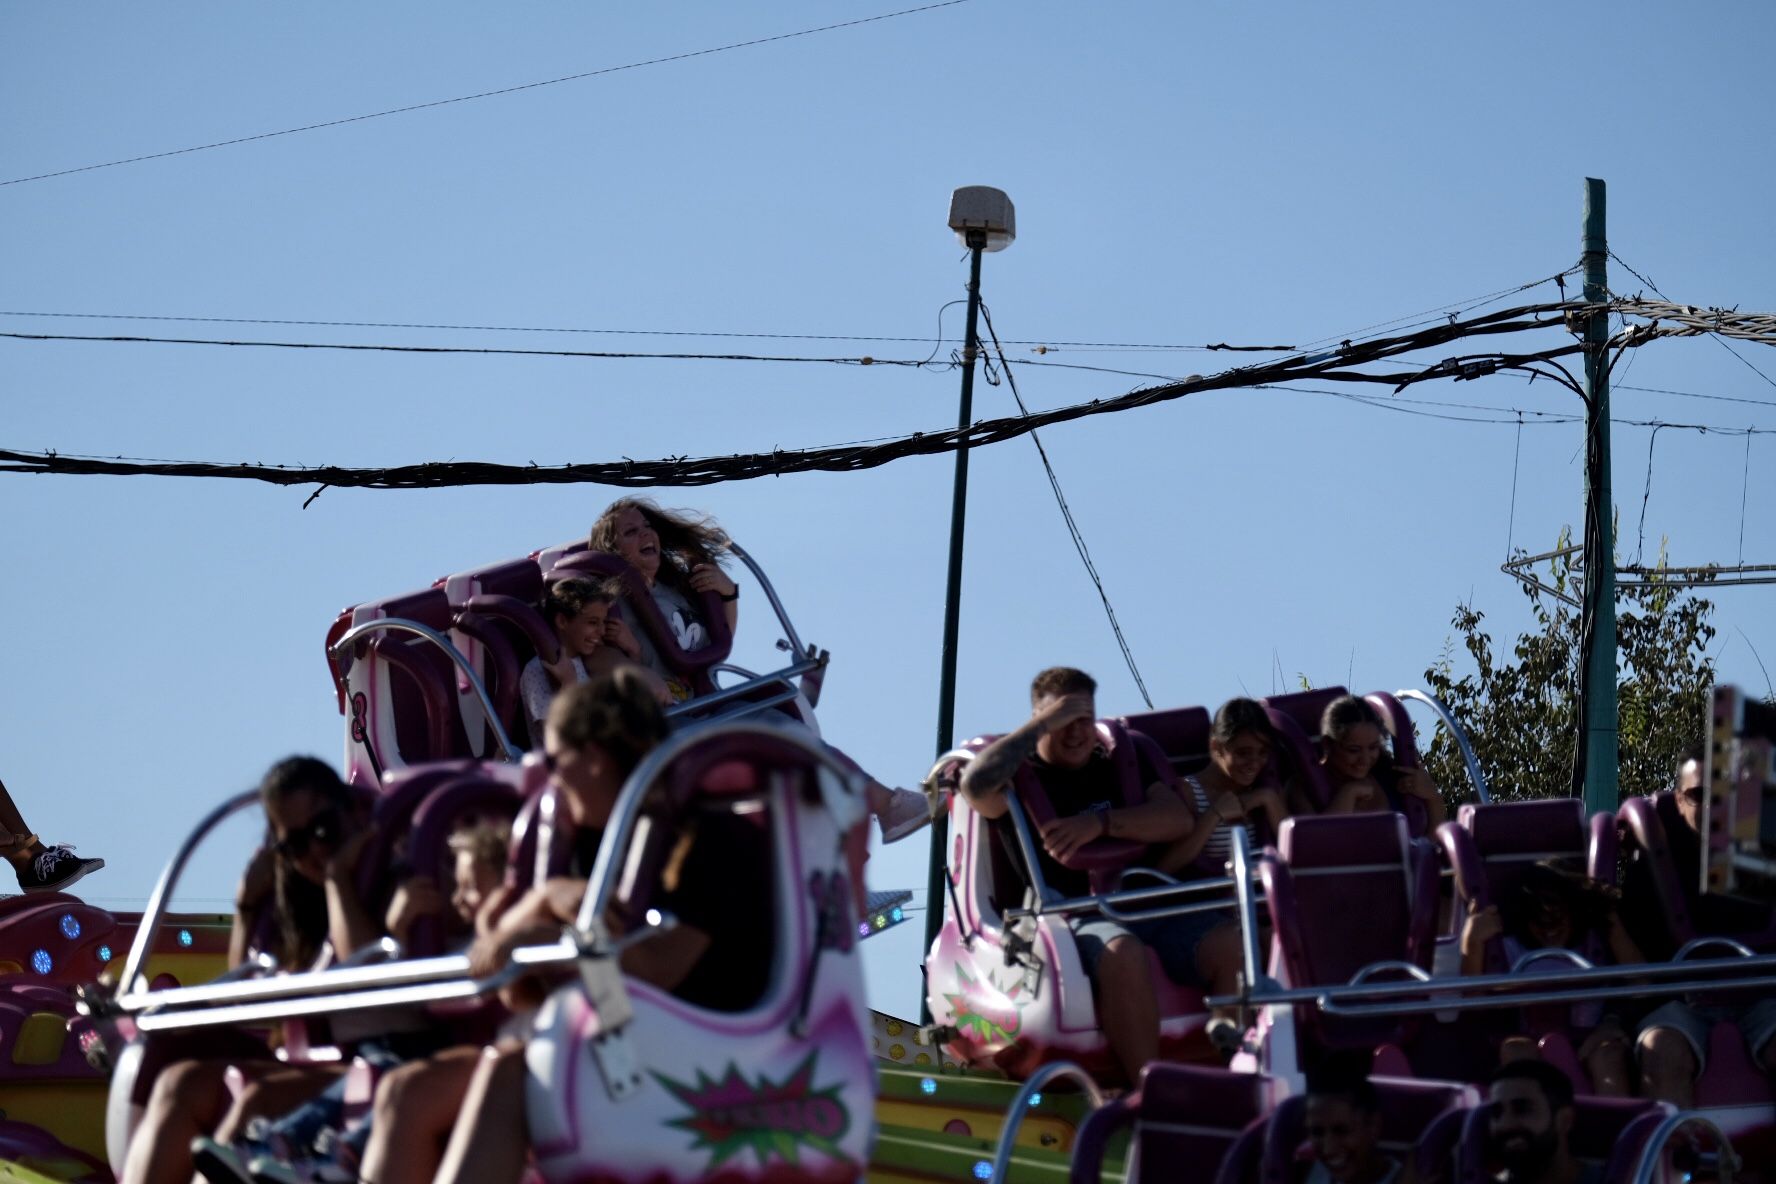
(1183,174)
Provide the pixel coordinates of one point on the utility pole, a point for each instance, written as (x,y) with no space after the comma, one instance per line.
(983,218)
(1598,677)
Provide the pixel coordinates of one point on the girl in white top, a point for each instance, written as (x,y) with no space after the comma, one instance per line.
(680,557)
(577,610)
(1226,793)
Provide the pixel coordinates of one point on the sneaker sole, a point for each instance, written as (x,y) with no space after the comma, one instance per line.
(61,885)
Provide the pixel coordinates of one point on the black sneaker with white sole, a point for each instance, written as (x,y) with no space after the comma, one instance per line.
(53,869)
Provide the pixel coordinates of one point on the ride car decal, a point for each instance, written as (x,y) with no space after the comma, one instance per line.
(775,1119)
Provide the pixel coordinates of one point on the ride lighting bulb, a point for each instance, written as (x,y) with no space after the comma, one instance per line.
(104,953)
(897,915)
(185,938)
(863,929)
(41,962)
(927,1086)
(983,1170)
(70,926)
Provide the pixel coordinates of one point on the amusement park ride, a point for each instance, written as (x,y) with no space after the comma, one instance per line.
(1345,924)
(1349,931)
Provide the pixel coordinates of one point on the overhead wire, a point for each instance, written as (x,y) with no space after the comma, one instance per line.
(1073,531)
(486,94)
(687,471)
(864,360)
(1040,342)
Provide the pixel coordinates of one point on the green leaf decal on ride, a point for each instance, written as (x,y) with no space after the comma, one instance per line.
(980,1013)
(775,1119)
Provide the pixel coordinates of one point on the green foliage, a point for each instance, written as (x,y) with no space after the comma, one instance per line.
(1521,710)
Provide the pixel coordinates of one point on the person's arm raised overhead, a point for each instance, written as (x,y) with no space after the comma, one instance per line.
(986,777)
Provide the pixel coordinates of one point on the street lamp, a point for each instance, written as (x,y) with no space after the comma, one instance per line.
(984,220)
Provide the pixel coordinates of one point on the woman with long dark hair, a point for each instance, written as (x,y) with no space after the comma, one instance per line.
(680,557)
(315,830)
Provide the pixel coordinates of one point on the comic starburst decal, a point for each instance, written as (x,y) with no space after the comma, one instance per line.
(978,1014)
(775,1120)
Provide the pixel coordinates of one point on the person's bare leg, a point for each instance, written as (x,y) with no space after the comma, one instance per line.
(489,1143)
(1668,1067)
(416,1107)
(1219,960)
(17,843)
(1612,1076)
(1127,1006)
(275,1093)
(188,1099)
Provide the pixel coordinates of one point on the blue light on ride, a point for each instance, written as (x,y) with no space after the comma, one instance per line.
(185,938)
(983,1170)
(1035,1100)
(927,1086)
(70,926)
(897,916)
(104,953)
(41,962)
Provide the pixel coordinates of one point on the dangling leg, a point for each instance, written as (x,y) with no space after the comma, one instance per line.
(491,1139)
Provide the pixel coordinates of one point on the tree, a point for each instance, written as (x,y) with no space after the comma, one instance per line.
(1522,714)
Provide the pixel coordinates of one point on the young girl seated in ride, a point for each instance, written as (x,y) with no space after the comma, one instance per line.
(284,1150)
(1556,906)
(578,611)
(1361,771)
(1227,794)
(679,557)
(303,876)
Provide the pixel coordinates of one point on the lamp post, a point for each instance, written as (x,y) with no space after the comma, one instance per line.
(984,220)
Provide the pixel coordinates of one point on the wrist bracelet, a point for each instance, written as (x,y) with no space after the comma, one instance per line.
(731,596)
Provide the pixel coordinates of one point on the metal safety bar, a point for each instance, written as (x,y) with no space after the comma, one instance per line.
(1461,739)
(427,980)
(356,633)
(155,913)
(330,992)
(1651,1159)
(758,573)
(1510,990)
(1240,864)
(739,689)
(1026,1097)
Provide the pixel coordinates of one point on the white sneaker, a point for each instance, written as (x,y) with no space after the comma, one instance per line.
(907,810)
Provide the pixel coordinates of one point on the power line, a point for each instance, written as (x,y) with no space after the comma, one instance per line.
(1073,530)
(1038,343)
(486,94)
(1716,333)
(458,349)
(1334,365)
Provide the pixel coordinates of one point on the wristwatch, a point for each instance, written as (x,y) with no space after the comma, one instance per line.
(1102,810)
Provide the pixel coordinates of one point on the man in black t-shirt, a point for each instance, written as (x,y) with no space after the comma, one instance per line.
(1674,1038)
(1060,741)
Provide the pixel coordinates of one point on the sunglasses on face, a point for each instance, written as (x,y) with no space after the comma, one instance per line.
(322,830)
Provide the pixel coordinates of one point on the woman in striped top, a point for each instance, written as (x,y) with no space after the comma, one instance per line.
(1226,793)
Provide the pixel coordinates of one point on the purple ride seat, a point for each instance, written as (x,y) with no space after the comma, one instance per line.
(497,608)
(1610,1131)
(1490,848)
(1181,1115)
(421,683)
(1345,892)
(1296,718)
(1420,1119)
(1647,824)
